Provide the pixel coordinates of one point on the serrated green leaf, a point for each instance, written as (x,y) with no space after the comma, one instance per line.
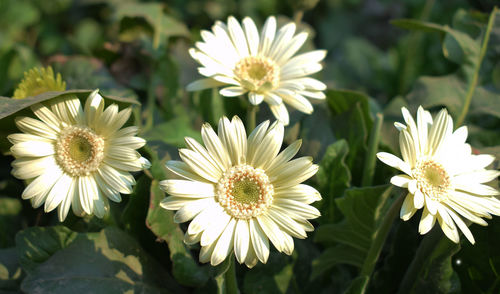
(36,245)
(333,177)
(364,210)
(105,262)
(161,222)
(351,121)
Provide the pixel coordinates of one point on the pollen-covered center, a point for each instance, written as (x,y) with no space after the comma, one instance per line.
(432,179)
(245,192)
(79,151)
(257,73)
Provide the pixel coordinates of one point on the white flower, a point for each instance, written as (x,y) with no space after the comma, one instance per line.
(75,157)
(240,192)
(264,66)
(442,175)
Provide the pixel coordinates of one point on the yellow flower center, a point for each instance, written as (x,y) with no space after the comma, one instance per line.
(79,151)
(257,73)
(432,179)
(245,192)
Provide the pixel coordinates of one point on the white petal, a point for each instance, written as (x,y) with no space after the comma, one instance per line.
(224,244)
(296,209)
(269,147)
(426,222)
(183,170)
(478,189)
(255,99)
(93,108)
(28,167)
(267,35)
(232,91)
(463,227)
(280,113)
(203,84)
(184,188)
(303,193)
(394,161)
(252,36)
(401,181)
(35,127)
(407,209)
(241,239)
(58,192)
(255,140)
(87,190)
(418,199)
(481,176)
(279,161)
(63,209)
(287,224)
(200,165)
(260,242)
(215,146)
(214,228)
(191,209)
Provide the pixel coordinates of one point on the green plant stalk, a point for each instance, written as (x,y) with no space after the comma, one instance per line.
(370,159)
(380,237)
(297,18)
(475,77)
(230,282)
(251,117)
(422,255)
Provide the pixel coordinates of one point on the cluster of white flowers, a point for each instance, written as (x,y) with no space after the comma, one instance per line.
(241,192)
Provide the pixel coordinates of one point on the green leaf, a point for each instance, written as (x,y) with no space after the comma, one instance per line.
(36,245)
(105,262)
(364,210)
(333,177)
(478,265)
(273,277)
(457,46)
(438,275)
(10,221)
(161,222)
(448,91)
(352,121)
(10,270)
(164,26)
(172,132)
(358,285)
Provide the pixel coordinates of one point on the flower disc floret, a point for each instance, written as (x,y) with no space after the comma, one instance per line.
(79,150)
(245,192)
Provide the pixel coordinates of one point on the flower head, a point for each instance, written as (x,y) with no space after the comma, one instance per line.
(37,81)
(264,66)
(442,175)
(74,157)
(240,193)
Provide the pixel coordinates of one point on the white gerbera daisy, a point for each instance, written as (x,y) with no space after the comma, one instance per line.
(442,175)
(75,157)
(264,66)
(240,192)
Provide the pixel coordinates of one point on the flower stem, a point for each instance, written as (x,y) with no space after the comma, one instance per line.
(230,278)
(370,158)
(297,17)
(251,117)
(475,77)
(380,236)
